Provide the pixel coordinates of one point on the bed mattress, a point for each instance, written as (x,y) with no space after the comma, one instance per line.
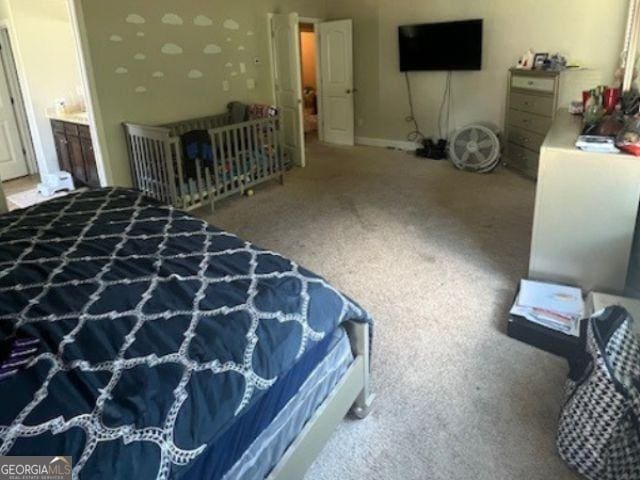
(251,447)
(156,332)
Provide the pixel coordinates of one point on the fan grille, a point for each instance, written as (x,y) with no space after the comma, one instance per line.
(475,148)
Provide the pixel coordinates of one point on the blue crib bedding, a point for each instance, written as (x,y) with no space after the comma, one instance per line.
(197,147)
(156,331)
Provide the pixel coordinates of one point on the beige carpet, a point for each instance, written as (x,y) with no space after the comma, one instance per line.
(434,254)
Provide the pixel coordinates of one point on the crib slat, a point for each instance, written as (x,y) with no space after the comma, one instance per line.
(272,163)
(162,179)
(247,156)
(135,161)
(224,175)
(255,139)
(182,181)
(210,192)
(199,183)
(168,147)
(143,174)
(216,161)
(241,164)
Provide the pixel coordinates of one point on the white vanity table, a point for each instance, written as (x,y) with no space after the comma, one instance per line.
(585,212)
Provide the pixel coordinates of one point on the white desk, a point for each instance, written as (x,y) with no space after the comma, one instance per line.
(585,212)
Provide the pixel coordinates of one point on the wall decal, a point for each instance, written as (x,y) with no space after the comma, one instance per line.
(135,18)
(172,19)
(202,21)
(243,68)
(226,86)
(140,34)
(140,89)
(212,49)
(140,56)
(231,24)
(115,38)
(157,74)
(251,84)
(171,49)
(195,74)
(121,70)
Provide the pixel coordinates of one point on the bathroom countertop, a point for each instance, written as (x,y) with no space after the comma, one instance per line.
(81,118)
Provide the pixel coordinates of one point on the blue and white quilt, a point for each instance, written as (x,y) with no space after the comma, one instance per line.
(152,331)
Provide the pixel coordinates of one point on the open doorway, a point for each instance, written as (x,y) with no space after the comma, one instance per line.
(17,157)
(329,105)
(309,64)
(56,128)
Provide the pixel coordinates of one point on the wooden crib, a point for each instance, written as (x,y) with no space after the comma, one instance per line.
(242,155)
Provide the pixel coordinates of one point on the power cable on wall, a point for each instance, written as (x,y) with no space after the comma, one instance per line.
(446,101)
(416,135)
(444,114)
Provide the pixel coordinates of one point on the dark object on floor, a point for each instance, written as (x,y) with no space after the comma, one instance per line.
(552,341)
(433,150)
(599,431)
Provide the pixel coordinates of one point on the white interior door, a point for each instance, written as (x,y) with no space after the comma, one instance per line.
(336,71)
(285,37)
(12,159)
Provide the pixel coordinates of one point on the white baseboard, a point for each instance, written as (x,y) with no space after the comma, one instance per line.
(382,142)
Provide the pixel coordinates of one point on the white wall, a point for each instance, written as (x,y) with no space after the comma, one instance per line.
(47,62)
(586,31)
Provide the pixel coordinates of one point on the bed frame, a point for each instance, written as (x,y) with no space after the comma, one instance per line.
(157,167)
(352,393)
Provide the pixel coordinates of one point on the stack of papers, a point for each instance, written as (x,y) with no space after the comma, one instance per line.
(553,306)
(597,143)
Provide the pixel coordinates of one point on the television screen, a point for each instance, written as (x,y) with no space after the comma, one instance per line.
(441,46)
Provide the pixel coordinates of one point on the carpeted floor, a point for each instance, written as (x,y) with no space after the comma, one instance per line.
(434,254)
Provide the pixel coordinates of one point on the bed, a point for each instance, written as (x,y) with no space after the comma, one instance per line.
(166,348)
(240,150)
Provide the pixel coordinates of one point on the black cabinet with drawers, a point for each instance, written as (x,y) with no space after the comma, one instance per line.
(75,152)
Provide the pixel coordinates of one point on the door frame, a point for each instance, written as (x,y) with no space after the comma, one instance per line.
(78,27)
(87,79)
(316,22)
(17,86)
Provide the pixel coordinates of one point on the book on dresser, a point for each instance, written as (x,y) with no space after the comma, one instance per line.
(533,98)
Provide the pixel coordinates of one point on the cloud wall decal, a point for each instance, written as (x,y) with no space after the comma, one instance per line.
(231,24)
(172,19)
(171,49)
(135,18)
(211,49)
(202,21)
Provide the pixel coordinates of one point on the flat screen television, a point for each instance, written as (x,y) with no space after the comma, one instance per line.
(441,46)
